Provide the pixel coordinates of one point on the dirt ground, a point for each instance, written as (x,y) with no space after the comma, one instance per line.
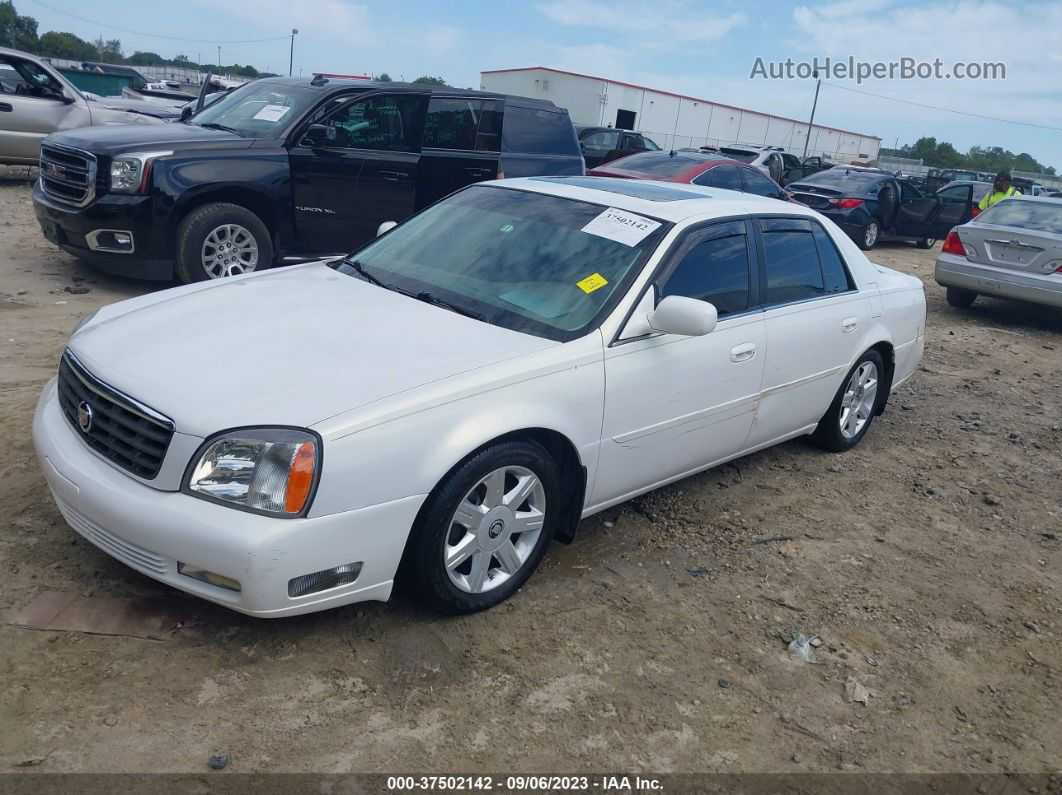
(929,562)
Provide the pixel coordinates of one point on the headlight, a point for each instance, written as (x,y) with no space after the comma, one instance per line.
(129,172)
(265,470)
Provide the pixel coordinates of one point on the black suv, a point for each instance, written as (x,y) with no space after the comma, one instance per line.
(605,144)
(283,168)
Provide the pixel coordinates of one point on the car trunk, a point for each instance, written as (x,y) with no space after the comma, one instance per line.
(813,196)
(1011,247)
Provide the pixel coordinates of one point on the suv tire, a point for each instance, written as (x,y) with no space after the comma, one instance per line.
(221,239)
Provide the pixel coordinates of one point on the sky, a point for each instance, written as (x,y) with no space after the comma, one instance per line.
(692,47)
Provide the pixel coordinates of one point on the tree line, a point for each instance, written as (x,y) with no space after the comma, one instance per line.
(19,32)
(941,154)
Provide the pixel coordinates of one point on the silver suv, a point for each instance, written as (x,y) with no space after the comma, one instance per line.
(35,100)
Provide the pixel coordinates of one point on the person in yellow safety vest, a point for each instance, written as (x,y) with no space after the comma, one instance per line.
(1001,189)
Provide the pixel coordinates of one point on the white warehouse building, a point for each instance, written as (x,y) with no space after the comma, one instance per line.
(672,120)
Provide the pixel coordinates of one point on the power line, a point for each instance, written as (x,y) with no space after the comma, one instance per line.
(156,35)
(946,110)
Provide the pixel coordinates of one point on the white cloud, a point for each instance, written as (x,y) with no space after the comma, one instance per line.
(651,24)
(332,18)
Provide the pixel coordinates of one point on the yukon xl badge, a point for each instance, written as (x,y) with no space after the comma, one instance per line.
(84,416)
(315,210)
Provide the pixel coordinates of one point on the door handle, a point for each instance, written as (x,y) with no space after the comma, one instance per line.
(5,107)
(393,176)
(849,324)
(479,173)
(743,352)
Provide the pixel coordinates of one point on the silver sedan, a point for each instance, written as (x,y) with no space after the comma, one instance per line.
(1011,250)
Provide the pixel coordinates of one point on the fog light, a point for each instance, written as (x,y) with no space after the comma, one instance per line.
(209,577)
(323,580)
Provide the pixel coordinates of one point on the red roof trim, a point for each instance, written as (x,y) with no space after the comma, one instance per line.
(672,94)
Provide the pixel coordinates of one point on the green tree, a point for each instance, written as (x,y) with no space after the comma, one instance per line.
(109,51)
(17,31)
(140,58)
(66,45)
(383,77)
(430,81)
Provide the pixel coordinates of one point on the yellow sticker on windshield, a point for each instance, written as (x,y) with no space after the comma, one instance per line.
(595,281)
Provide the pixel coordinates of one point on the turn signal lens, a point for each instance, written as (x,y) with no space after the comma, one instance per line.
(300,478)
(952,244)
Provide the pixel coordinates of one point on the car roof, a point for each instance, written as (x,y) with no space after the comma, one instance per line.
(699,162)
(335,84)
(667,201)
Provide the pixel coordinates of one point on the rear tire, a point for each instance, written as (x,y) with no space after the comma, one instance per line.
(960,298)
(926,242)
(868,237)
(221,239)
(467,552)
(854,407)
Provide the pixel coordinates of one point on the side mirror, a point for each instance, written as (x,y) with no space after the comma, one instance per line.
(318,135)
(686,317)
(186,113)
(385,227)
(66,99)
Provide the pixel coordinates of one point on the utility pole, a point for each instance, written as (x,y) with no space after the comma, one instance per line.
(291,56)
(811,123)
(219,60)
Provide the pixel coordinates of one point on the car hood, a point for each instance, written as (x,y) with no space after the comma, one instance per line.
(112,139)
(146,107)
(286,347)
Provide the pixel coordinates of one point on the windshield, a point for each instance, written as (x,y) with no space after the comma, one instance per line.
(843,179)
(743,155)
(257,110)
(1038,216)
(540,264)
(661,164)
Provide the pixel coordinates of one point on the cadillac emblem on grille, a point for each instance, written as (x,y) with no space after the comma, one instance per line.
(84,416)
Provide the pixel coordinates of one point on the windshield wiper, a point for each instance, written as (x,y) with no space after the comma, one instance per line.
(213,125)
(429,298)
(360,269)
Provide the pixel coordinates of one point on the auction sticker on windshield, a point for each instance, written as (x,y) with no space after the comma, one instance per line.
(595,281)
(272,113)
(630,229)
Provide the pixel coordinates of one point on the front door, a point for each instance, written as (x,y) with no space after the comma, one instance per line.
(815,320)
(462,145)
(675,404)
(31,107)
(364,174)
(956,208)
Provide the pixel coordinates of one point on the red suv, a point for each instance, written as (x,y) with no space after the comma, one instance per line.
(698,168)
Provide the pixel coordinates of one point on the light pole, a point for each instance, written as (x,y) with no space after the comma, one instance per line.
(811,123)
(219,60)
(291,56)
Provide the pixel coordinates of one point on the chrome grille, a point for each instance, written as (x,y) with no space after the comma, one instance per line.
(68,175)
(131,435)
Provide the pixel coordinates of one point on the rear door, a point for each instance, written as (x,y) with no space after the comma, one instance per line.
(792,169)
(365,174)
(461,145)
(915,212)
(956,208)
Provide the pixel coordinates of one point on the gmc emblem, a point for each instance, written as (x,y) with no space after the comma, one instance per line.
(52,170)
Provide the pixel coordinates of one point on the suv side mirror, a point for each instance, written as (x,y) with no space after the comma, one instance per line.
(385,227)
(688,317)
(318,135)
(186,113)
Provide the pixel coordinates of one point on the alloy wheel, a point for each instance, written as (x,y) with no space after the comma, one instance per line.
(870,236)
(494,529)
(229,250)
(858,401)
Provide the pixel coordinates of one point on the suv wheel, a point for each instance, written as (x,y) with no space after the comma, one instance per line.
(485,528)
(869,236)
(219,240)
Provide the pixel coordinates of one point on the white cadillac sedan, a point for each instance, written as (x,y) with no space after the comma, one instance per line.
(443,403)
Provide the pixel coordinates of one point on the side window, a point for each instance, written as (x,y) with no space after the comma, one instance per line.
(909,191)
(790,161)
(386,121)
(488,139)
(834,274)
(632,141)
(650,144)
(756,183)
(715,270)
(603,141)
(728,177)
(31,80)
(792,261)
(452,123)
(537,131)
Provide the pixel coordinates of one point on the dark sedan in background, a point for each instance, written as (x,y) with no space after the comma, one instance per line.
(692,166)
(872,205)
(605,144)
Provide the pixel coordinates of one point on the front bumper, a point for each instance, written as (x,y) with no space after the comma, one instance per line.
(1038,288)
(70,227)
(152,530)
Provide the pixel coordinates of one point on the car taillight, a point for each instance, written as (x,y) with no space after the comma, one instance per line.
(846,204)
(952,244)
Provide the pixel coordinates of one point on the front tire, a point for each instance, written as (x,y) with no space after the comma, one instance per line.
(960,298)
(853,409)
(219,240)
(485,528)
(868,238)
